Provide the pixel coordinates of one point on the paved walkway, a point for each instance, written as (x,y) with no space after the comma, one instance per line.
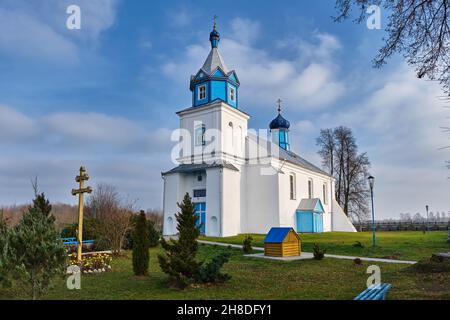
(308,255)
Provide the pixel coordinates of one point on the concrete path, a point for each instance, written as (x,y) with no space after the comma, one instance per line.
(307,255)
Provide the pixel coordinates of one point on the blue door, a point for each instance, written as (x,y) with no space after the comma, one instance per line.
(305,222)
(200,211)
(318,222)
(309,222)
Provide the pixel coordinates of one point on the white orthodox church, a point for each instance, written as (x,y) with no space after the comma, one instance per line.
(239,181)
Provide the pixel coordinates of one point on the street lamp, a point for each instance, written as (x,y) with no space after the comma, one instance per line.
(427,207)
(371,183)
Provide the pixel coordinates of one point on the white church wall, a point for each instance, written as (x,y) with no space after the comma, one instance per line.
(171,197)
(262,209)
(231,194)
(288,207)
(340,221)
(217,116)
(234,124)
(213,203)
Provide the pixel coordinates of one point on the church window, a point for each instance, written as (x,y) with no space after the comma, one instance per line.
(199,178)
(310,189)
(232,94)
(325,198)
(200,135)
(292,186)
(200,193)
(202,92)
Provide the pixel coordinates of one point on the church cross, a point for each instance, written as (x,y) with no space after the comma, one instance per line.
(279,101)
(215,18)
(80,192)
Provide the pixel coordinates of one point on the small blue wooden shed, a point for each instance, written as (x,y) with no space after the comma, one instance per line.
(282,242)
(309,216)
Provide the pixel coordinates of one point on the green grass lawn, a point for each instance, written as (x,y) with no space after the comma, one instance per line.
(407,245)
(253,279)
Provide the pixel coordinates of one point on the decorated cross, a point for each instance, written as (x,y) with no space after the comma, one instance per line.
(80,192)
(279,101)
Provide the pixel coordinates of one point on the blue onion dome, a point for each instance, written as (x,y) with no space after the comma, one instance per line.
(214,36)
(279,122)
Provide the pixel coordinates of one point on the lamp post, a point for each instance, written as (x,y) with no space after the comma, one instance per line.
(371,183)
(426,208)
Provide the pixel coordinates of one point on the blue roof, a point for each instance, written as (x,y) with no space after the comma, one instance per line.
(276,235)
(279,123)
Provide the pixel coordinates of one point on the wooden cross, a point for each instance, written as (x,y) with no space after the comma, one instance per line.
(80,192)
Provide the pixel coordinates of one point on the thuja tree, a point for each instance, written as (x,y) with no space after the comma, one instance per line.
(141,246)
(5,265)
(179,259)
(36,252)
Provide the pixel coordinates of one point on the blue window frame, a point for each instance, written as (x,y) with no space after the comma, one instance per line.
(200,211)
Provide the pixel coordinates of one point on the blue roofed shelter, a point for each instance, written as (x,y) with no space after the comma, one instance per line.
(309,216)
(282,242)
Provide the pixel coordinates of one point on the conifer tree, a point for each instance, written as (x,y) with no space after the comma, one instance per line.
(154,234)
(5,265)
(36,251)
(179,259)
(141,244)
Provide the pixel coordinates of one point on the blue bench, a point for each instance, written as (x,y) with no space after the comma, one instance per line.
(375,292)
(75,243)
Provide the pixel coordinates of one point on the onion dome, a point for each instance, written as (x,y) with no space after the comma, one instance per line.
(279,122)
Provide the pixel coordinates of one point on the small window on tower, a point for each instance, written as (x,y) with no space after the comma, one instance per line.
(232,94)
(199,178)
(202,92)
(200,135)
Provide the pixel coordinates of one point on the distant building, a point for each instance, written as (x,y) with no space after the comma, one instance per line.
(237,191)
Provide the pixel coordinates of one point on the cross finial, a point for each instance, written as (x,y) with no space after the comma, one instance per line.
(279,101)
(215,20)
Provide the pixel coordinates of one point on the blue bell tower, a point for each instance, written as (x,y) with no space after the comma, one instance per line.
(214,81)
(279,127)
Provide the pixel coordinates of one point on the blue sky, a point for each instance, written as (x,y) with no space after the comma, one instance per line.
(105,96)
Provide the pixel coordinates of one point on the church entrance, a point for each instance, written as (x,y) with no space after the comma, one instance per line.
(200,211)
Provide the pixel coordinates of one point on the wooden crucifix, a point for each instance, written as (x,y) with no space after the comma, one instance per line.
(80,192)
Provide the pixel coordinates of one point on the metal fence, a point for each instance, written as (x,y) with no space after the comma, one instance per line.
(404,226)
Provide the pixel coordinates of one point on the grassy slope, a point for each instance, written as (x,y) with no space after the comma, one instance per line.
(254,279)
(408,245)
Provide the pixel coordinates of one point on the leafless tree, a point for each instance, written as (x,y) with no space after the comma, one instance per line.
(340,157)
(113,215)
(417,29)
(156,216)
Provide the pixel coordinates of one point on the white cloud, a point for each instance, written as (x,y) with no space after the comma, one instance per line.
(302,85)
(245,30)
(37,29)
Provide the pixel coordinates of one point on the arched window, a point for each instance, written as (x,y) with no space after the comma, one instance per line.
(200,135)
(169,226)
(230,125)
(310,189)
(292,190)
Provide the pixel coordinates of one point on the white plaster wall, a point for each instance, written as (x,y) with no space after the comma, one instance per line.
(231,211)
(171,197)
(340,220)
(213,202)
(229,143)
(288,207)
(262,208)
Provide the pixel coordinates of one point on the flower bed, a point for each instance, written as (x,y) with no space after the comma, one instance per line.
(92,262)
